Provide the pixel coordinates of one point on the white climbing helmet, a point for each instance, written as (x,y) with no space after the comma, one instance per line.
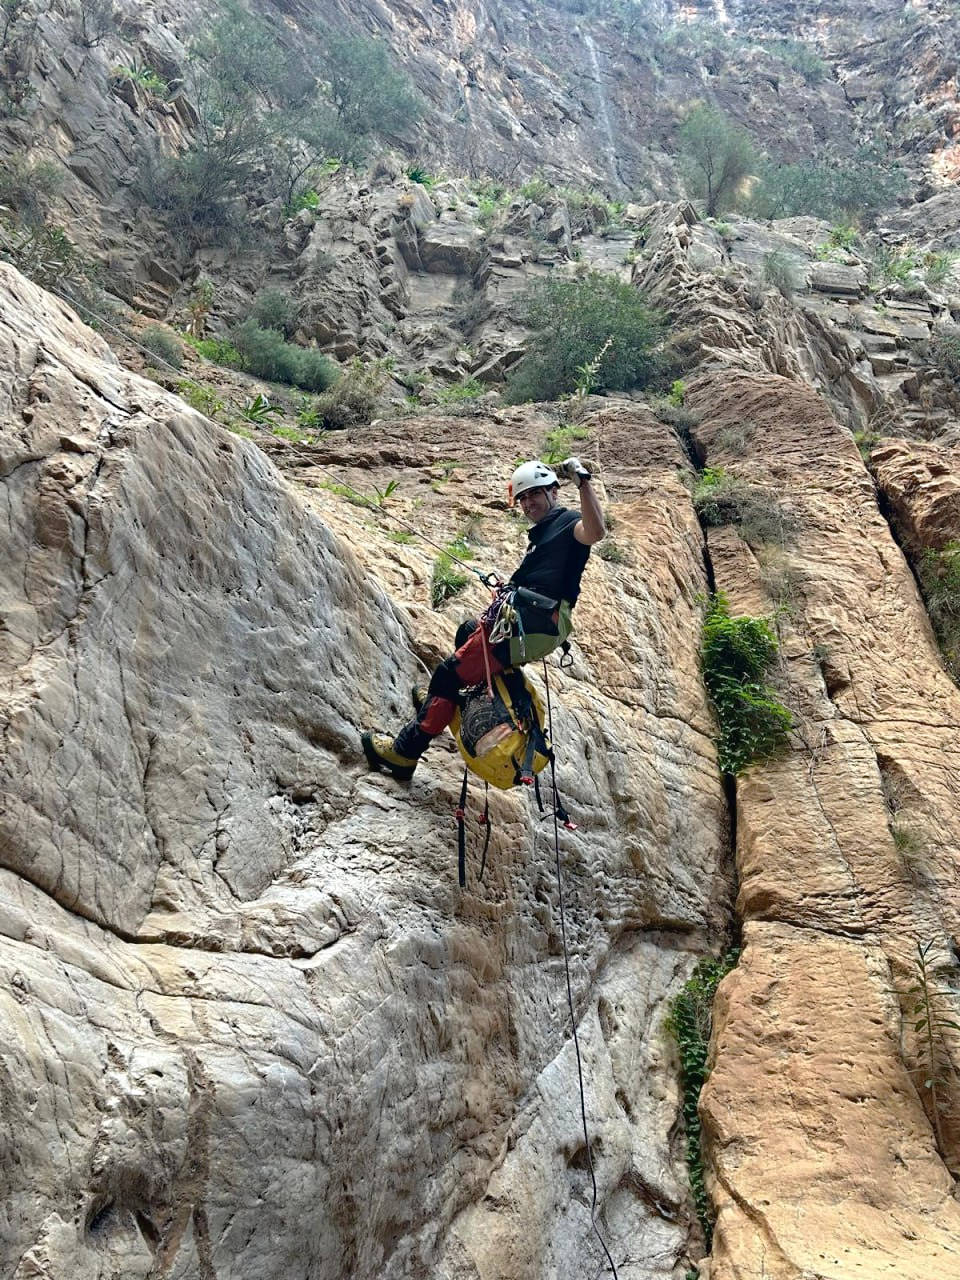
(531,475)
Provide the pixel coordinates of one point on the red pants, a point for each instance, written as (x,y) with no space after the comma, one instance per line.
(464,668)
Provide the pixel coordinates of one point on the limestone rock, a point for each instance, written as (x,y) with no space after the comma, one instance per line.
(251,1026)
(814,1029)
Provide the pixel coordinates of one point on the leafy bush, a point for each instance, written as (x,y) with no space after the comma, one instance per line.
(275,309)
(802,57)
(203,399)
(266,354)
(306,199)
(218,350)
(263,109)
(716,156)
(779,272)
(572,320)
(945,350)
(145,77)
(690,1022)
(163,344)
(45,255)
(735,655)
(937,267)
(354,399)
(369,96)
(460,391)
(892,266)
(27,187)
(838,190)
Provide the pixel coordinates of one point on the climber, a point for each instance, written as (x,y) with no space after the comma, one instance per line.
(548,583)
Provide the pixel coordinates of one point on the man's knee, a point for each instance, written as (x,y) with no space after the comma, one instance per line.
(465,630)
(445,683)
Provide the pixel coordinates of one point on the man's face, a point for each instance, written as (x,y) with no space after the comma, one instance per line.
(535,503)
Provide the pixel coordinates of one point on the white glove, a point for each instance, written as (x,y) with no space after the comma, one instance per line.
(573,469)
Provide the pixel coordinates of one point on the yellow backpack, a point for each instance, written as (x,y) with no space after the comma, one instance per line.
(502,738)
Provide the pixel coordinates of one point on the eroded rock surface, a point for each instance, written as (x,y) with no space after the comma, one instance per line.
(847,858)
(251,1026)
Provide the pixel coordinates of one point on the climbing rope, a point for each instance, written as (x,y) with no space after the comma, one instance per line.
(566,966)
(502,606)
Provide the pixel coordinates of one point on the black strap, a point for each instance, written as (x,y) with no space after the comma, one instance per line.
(527,775)
(538,793)
(462,835)
(486,822)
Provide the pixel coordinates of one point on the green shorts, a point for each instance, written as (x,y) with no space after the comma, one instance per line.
(534,645)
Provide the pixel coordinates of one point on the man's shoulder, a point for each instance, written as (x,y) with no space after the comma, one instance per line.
(566,518)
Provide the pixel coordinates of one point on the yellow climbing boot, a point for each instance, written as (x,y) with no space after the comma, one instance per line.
(378,749)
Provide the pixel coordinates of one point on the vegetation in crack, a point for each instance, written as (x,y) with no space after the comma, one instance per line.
(935,1019)
(689,1022)
(939,576)
(735,656)
(720,498)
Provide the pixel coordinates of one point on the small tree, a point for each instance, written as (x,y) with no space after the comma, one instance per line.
(590,321)
(716,155)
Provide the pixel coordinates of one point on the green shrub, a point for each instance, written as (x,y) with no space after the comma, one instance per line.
(460,391)
(939,575)
(416,174)
(448,579)
(354,398)
(945,350)
(266,354)
(779,272)
(144,77)
(27,187)
(716,156)
(735,655)
(45,255)
(837,190)
(690,1022)
(802,57)
(370,96)
(537,189)
(892,266)
(612,552)
(561,443)
(217,350)
(308,199)
(275,309)
(204,399)
(573,319)
(937,267)
(163,344)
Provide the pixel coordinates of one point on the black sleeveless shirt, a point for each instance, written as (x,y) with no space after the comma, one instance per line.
(555,560)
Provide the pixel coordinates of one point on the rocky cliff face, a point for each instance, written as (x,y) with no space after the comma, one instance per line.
(251,1025)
